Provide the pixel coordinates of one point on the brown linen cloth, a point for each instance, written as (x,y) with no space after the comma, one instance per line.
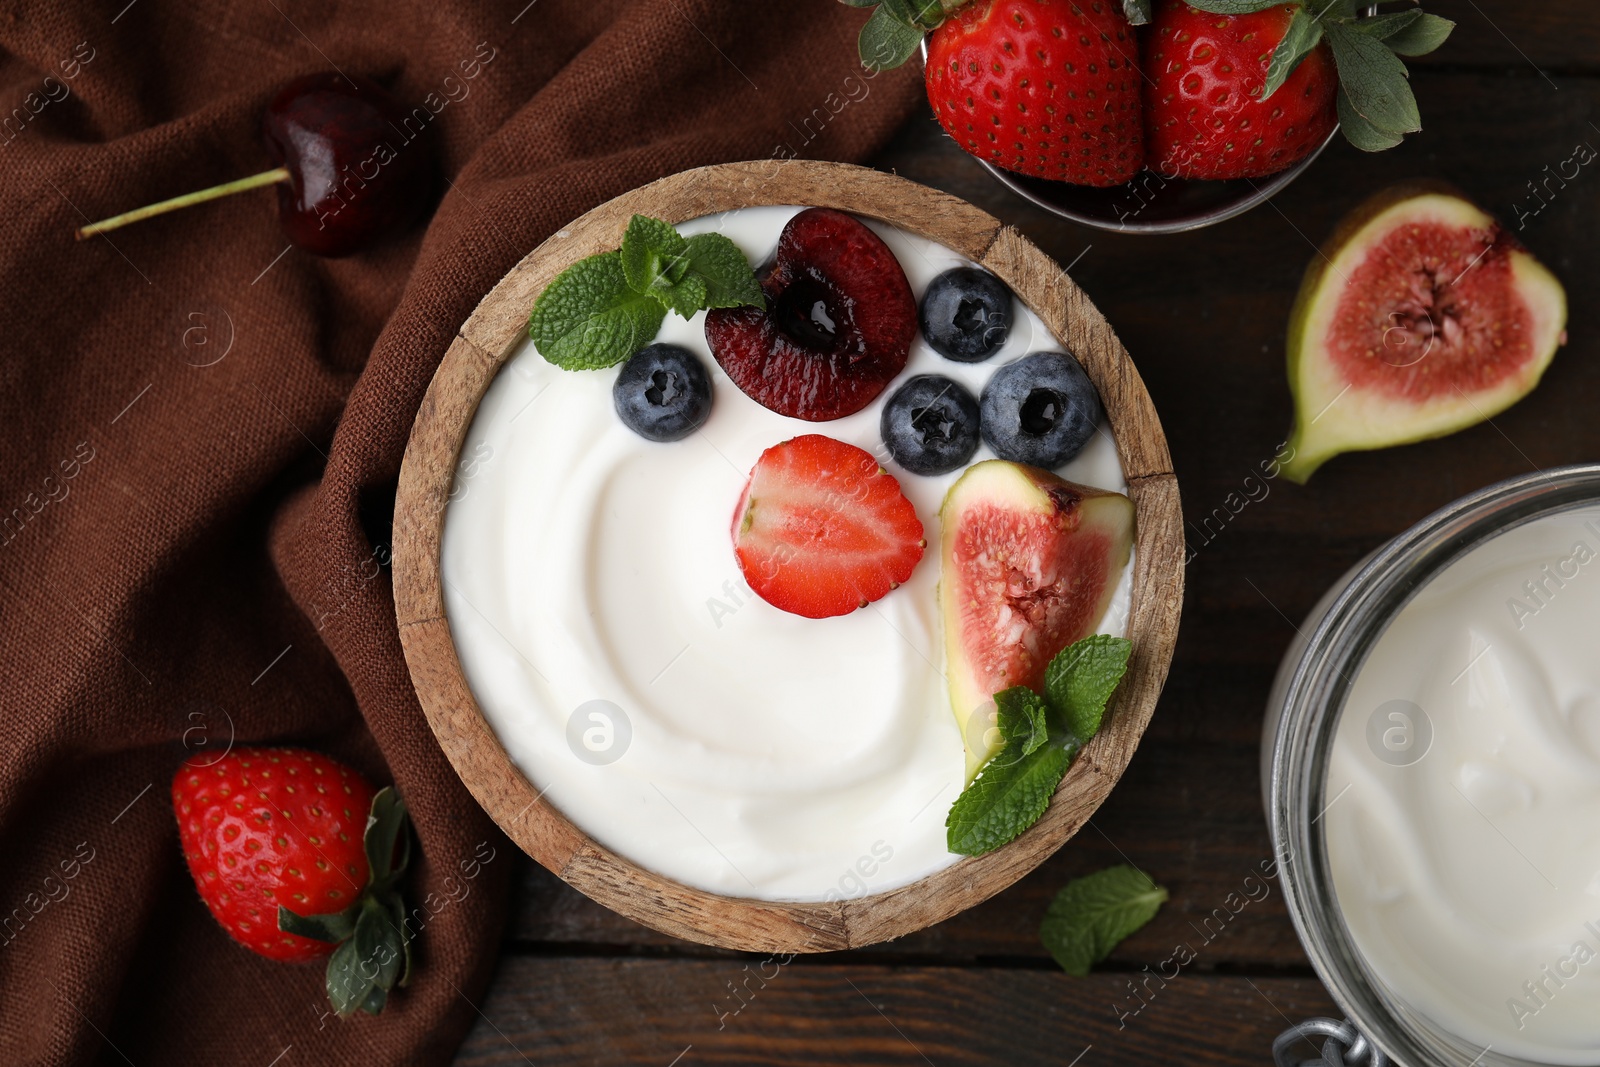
(200,432)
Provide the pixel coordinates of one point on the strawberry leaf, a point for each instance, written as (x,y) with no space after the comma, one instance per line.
(332,928)
(922,14)
(1304,34)
(1384,26)
(886,42)
(1361,133)
(397,909)
(343,981)
(1137,12)
(377,997)
(387,953)
(386,821)
(1374,80)
(1234,7)
(1419,37)
(374,947)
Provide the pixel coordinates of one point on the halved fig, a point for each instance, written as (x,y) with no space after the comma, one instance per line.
(1029,563)
(1421,317)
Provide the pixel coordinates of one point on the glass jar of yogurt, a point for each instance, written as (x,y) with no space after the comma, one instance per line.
(1431,774)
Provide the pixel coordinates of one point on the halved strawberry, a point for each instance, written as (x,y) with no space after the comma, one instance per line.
(822,530)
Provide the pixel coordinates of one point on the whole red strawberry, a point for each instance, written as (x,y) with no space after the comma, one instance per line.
(1051,88)
(1048,88)
(1205,115)
(282,844)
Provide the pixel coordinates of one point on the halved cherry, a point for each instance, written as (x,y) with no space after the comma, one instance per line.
(838,326)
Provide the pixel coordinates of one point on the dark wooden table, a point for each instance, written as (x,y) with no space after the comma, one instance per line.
(1513,92)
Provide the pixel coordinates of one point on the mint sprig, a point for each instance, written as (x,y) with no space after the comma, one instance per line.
(1091,915)
(603,309)
(1040,736)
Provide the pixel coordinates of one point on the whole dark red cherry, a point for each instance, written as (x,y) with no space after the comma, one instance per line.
(359,163)
(353,165)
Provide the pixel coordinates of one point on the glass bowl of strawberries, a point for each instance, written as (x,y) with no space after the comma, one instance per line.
(1156,116)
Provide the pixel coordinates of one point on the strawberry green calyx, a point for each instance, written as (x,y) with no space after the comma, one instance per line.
(896,27)
(374,953)
(1376,106)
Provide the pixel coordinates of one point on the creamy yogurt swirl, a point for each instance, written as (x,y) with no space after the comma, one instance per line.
(1463,831)
(604,629)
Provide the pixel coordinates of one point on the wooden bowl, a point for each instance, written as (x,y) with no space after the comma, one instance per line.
(486,340)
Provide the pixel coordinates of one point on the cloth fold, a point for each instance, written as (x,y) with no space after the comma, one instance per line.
(202,427)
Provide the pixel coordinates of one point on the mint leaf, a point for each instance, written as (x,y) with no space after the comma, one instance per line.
(1006,798)
(1359,132)
(653,256)
(589,318)
(1374,80)
(887,42)
(1420,36)
(707,271)
(1021,717)
(1091,915)
(1081,679)
(1304,34)
(730,282)
(685,298)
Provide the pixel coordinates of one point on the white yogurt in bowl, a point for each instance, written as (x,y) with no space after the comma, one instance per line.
(600,619)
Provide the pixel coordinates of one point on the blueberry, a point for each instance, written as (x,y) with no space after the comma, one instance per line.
(663,393)
(1040,410)
(930,424)
(966,314)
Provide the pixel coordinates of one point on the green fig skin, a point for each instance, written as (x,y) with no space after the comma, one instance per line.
(1310,445)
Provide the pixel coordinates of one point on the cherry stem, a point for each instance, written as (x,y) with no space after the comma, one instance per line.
(255,181)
